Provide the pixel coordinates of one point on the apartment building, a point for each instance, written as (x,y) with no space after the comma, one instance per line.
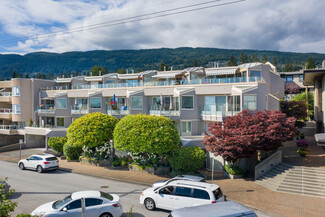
(191,98)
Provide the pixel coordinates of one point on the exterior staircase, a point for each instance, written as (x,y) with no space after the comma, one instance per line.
(308,181)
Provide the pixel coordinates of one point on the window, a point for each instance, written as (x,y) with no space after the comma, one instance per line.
(60,122)
(187,102)
(201,194)
(167,190)
(301,78)
(16,91)
(209,103)
(288,78)
(81,104)
(61,103)
(221,103)
(74,205)
(136,102)
(255,75)
(106,195)
(186,128)
(93,202)
(217,193)
(183,191)
(96,102)
(16,109)
(250,102)
(233,103)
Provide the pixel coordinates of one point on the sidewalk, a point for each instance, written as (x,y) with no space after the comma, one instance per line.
(244,191)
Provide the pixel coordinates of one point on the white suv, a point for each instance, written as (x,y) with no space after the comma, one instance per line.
(181,193)
(39,163)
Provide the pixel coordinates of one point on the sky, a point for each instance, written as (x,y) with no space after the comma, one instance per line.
(81,25)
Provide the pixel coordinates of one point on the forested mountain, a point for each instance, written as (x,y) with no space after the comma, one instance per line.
(81,62)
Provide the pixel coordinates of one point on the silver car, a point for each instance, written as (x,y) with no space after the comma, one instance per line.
(221,209)
(181,177)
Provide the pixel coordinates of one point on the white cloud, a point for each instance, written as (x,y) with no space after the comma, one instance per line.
(291,25)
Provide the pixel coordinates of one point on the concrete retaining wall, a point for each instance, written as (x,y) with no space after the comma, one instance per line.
(268,164)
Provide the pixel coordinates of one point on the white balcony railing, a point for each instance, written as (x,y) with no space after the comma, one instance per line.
(217,115)
(5,111)
(46,109)
(164,112)
(79,109)
(118,112)
(10,127)
(5,94)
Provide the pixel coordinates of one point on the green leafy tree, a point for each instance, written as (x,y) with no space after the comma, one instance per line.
(96,69)
(40,76)
(27,75)
(14,74)
(6,205)
(232,61)
(147,134)
(243,58)
(288,68)
(163,66)
(303,97)
(121,71)
(310,64)
(187,159)
(57,143)
(297,109)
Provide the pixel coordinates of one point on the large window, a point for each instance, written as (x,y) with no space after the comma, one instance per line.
(61,103)
(136,102)
(81,104)
(16,91)
(186,128)
(95,102)
(16,109)
(221,103)
(250,102)
(255,75)
(301,78)
(187,102)
(60,122)
(183,191)
(233,103)
(288,78)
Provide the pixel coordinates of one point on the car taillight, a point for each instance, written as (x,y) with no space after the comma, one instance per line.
(45,162)
(116,205)
(214,201)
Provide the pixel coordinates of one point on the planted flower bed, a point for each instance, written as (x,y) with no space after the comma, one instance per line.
(302,147)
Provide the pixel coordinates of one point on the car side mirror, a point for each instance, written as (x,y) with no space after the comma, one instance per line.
(64,209)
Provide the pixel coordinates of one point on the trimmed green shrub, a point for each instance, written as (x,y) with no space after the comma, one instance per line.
(146,134)
(91,130)
(187,159)
(72,152)
(233,170)
(116,163)
(57,143)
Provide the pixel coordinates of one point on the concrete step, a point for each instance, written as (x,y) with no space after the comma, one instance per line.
(301,193)
(304,182)
(305,177)
(302,187)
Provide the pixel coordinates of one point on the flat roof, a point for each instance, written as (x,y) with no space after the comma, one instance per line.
(311,74)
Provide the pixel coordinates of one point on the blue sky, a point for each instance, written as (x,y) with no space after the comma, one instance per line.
(290,25)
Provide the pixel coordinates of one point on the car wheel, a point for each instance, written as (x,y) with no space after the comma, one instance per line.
(21,166)
(106,215)
(150,204)
(39,169)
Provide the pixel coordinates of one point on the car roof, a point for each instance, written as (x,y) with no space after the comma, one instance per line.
(187,183)
(227,208)
(198,178)
(85,194)
(43,155)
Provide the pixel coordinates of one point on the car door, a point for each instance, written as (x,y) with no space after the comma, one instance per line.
(37,161)
(93,206)
(200,197)
(165,198)
(73,209)
(182,197)
(30,162)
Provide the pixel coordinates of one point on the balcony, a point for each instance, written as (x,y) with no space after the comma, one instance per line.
(167,113)
(9,129)
(118,112)
(5,96)
(217,115)
(5,113)
(161,83)
(46,110)
(79,110)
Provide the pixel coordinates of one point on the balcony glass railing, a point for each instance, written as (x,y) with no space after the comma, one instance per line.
(217,114)
(118,112)
(79,109)
(10,127)
(5,111)
(161,83)
(5,94)
(46,109)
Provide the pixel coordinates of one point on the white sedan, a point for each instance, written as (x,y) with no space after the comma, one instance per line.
(96,204)
(39,163)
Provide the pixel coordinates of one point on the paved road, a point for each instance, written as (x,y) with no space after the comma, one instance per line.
(34,189)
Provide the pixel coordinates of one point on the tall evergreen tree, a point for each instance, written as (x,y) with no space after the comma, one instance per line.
(288,68)
(14,74)
(255,58)
(232,61)
(163,66)
(243,58)
(310,64)
(264,59)
(275,61)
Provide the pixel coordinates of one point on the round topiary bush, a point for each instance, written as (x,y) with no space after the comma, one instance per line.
(72,152)
(187,159)
(146,134)
(57,143)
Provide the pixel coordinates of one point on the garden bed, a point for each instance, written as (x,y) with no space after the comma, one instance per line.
(150,170)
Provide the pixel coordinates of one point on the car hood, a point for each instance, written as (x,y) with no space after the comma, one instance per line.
(150,190)
(45,208)
(159,183)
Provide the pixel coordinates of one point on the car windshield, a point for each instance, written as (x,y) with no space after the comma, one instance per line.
(106,195)
(50,158)
(61,203)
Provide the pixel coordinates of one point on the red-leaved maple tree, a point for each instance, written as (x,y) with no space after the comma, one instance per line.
(242,135)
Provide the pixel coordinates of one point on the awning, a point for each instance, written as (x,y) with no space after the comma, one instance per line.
(111,92)
(194,69)
(78,93)
(221,71)
(168,74)
(57,94)
(94,78)
(129,76)
(63,80)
